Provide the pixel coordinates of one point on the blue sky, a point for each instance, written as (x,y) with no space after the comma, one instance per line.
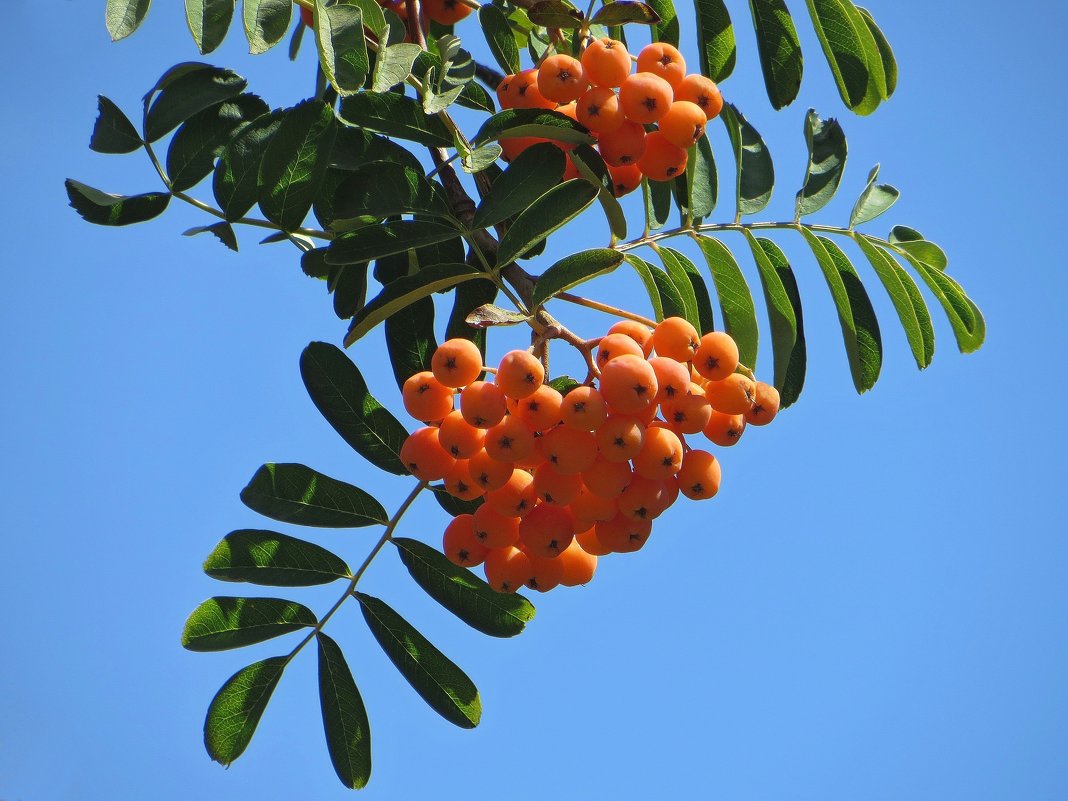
(874,607)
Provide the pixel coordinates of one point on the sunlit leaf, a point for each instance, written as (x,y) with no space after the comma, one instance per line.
(498,33)
(201,139)
(222,231)
(755,177)
(551,211)
(223,623)
(102,208)
(237,170)
(293,493)
(573,270)
(266,22)
(410,339)
(667,29)
(273,559)
(123,17)
(794,380)
(622,12)
(826,163)
(873,201)
(533,173)
(715,39)
(515,122)
(687,278)
(593,168)
(340,41)
(395,115)
(645,274)
(780,310)
(780,50)
(184,92)
(375,241)
(236,709)
(915,318)
(735,299)
(886,53)
(209,20)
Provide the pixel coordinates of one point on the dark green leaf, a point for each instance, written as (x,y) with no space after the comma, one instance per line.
(237,171)
(236,709)
(222,231)
(348,734)
(622,12)
(780,309)
(645,273)
(294,163)
(209,20)
(410,339)
(454,506)
(104,209)
(395,115)
(349,288)
(515,122)
(886,53)
(780,50)
(375,241)
(555,14)
(670,297)
(873,201)
(735,299)
(439,682)
(195,88)
(705,319)
(273,559)
(488,315)
(573,270)
(339,39)
(915,318)
(200,139)
(969,327)
(755,170)
(563,384)
(293,493)
(266,22)
(593,168)
(860,329)
(681,281)
(551,211)
(393,65)
(462,592)
(354,148)
(794,381)
(715,39)
(373,17)
(826,162)
(123,17)
(657,196)
(404,292)
(340,393)
(222,623)
(703,179)
(383,189)
(113,131)
(851,52)
(468,297)
(533,173)
(667,30)
(499,37)
(476,98)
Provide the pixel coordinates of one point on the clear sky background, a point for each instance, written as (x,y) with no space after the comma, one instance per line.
(875,607)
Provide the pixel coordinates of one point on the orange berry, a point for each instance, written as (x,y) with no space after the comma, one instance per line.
(561,78)
(589,509)
(493,529)
(519,374)
(584,408)
(506,92)
(724,429)
(445,12)
(568,450)
(516,497)
(578,565)
(628,384)
(537,456)
(672,379)
(482,404)
(676,339)
(688,414)
(700,475)
(623,146)
(669,493)
(620,438)
(635,330)
(733,395)
(661,455)
(524,91)
(547,530)
(625,180)
(624,535)
(425,398)
(487,472)
(614,345)
(607,479)
(587,540)
(663,60)
(598,109)
(458,438)
(423,456)
(540,410)
(457,362)
(555,488)
(640,500)
(510,440)
(545,573)
(514,145)
(765,405)
(645,97)
(606,62)
(701,91)
(459,483)
(460,544)
(661,161)
(507,569)
(684,124)
(717,356)
(569,110)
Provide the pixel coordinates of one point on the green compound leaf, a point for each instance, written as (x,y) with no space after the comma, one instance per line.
(645,274)
(185,90)
(201,139)
(499,37)
(340,394)
(735,299)
(689,285)
(410,339)
(667,29)
(273,559)
(405,291)
(266,22)
(715,39)
(348,733)
(462,592)
(209,20)
(873,201)
(293,493)
(909,304)
(826,163)
(533,173)
(113,132)
(551,211)
(622,12)
(860,329)
(573,270)
(123,17)
(755,170)
(102,208)
(438,680)
(794,380)
(780,50)
(780,309)
(237,172)
(222,623)
(593,168)
(886,53)
(340,42)
(395,115)
(852,53)
(294,163)
(236,709)
(532,122)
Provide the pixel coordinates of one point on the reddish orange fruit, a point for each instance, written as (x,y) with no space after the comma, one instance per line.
(661,455)
(553,487)
(423,456)
(510,440)
(584,408)
(628,384)
(625,180)
(684,124)
(623,146)
(487,472)
(569,451)
(507,569)
(458,438)
(724,429)
(765,405)
(588,541)
(519,374)
(663,60)
(541,409)
(645,97)
(493,529)
(624,535)
(675,338)
(456,362)
(482,404)
(598,109)
(613,345)
(459,482)
(733,395)
(547,530)
(516,497)
(661,161)
(606,478)
(701,91)
(425,398)
(717,356)
(445,12)
(700,475)
(620,438)
(606,62)
(578,565)
(561,78)
(460,544)
(641,334)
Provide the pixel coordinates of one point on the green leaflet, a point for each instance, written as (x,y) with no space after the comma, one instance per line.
(183,91)
(293,493)
(123,17)
(237,707)
(340,41)
(573,270)
(384,189)
(395,115)
(780,309)
(705,318)
(873,201)
(593,168)
(377,241)
(410,339)
(222,623)
(266,22)
(780,50)
(551,211)
(969,326)
(532,122)
(735,299)
(671,299)
(533,173)
(113,132)
(827,151)
(683,286)
(645,273)
(201,139)
(348,733)
(886,53)
(794,380)
(499,38)
(235,183)
(755,178)
(667,29)
(715,39)
(852,53)
(208,20)
(102,208)
(657,196)
(273,559)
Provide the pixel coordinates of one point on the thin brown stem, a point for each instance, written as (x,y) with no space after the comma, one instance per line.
(604,307)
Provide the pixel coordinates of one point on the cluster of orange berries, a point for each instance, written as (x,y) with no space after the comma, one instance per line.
(567,478)
(584,89)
